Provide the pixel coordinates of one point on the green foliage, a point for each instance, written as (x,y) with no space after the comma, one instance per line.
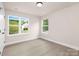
(45,28)
(45,25)
(45,22)
(13,22)
(23,22)
(25,29)
(13,29)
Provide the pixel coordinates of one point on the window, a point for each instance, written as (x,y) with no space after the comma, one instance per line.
(18,24)
(24,24)
(45,25)
(13,24)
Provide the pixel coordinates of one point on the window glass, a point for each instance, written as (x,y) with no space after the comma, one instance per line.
(45,25)
(13,24)
(18,24)
(24,24)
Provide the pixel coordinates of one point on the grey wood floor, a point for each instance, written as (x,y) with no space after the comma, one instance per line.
(38,47)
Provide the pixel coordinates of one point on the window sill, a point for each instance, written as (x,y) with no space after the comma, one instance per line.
(45,32)
(18,34)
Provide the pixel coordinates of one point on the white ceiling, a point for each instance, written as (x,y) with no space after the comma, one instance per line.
(31,8)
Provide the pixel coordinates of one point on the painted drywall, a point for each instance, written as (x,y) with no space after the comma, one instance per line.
(2,25)
(63,27)
(33,31)
(2,9)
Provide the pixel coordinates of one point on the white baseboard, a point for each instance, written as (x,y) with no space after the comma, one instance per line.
(73,47)
(14,42)
(35,37)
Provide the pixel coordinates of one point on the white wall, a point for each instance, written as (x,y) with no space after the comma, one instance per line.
(2,10)
(64,27)
(33,33)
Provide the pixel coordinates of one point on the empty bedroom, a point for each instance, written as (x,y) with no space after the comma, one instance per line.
(39,29)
